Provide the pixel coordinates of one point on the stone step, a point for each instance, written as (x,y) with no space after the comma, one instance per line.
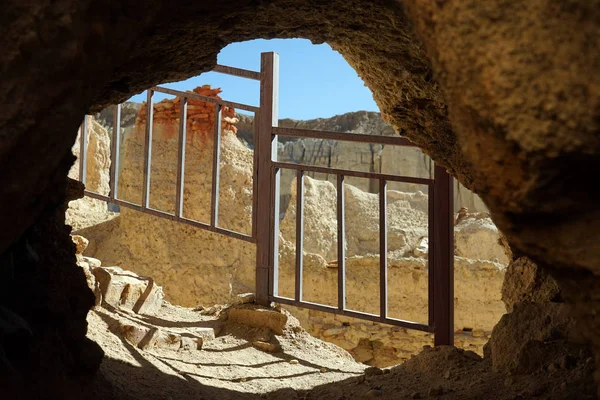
(149,337)
(127,290)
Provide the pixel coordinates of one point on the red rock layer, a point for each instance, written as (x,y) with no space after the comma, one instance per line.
(200,118)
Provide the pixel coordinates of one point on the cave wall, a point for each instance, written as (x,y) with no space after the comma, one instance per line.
(44,301)
(504,93)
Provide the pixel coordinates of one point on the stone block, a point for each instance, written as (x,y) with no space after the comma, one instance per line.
(258,318)
(206,334)
(134,334)
(191,343)
(126,290)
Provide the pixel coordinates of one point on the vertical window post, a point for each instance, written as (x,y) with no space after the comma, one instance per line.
(443,258)
(267,188)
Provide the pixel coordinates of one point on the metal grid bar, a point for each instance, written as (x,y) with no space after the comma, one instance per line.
(383,267)
(342,136)
(341,242)
(370,175)
(443,267)
(255,177)
(354,314)
(239,72)
(273,271)
(83,151)
(115,150)
(216,166)
(267,188)
(179,199)
(430,255)
(299,233)
(214,100)
(148,150)
(173,217)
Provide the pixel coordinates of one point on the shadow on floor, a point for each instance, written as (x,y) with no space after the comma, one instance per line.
(444,373)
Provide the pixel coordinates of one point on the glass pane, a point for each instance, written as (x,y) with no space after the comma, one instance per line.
(320,238)
(131,163)
(408,249)
(362,246)
(287,237)
(236,172)
(198,161)
(165,149)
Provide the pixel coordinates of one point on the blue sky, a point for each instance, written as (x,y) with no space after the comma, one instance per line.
(315,81)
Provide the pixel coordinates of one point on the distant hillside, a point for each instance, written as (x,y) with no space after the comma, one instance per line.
(365,122)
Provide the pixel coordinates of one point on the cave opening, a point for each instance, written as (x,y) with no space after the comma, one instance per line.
(198,273)
(482,93)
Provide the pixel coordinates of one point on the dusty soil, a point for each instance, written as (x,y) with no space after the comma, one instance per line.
(230,367)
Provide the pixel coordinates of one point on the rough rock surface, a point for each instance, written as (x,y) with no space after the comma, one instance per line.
(44,301)
(478,239)
(504,93)
(558,148)
(525,281)
(518,340)
(269,355)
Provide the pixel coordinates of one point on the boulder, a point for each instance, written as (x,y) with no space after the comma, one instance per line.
(478,239)
(126,290)
(525,281)
(258,317)
(522,333)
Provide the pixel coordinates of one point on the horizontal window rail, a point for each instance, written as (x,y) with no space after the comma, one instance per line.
(172,217)
(145,205)
(342,136)
(358,174)
(239,72)
(207,99)
(354,314)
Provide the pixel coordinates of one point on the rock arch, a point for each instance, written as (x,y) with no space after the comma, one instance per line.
(504,93)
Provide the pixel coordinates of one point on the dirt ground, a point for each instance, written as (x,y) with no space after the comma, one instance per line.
(230,367)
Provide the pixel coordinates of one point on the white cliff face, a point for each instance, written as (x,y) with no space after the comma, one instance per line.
(477,239)
(86,211)
(408,161)
(198,267)
(406,225)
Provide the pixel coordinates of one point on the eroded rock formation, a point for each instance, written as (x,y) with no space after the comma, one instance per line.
(358,156)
